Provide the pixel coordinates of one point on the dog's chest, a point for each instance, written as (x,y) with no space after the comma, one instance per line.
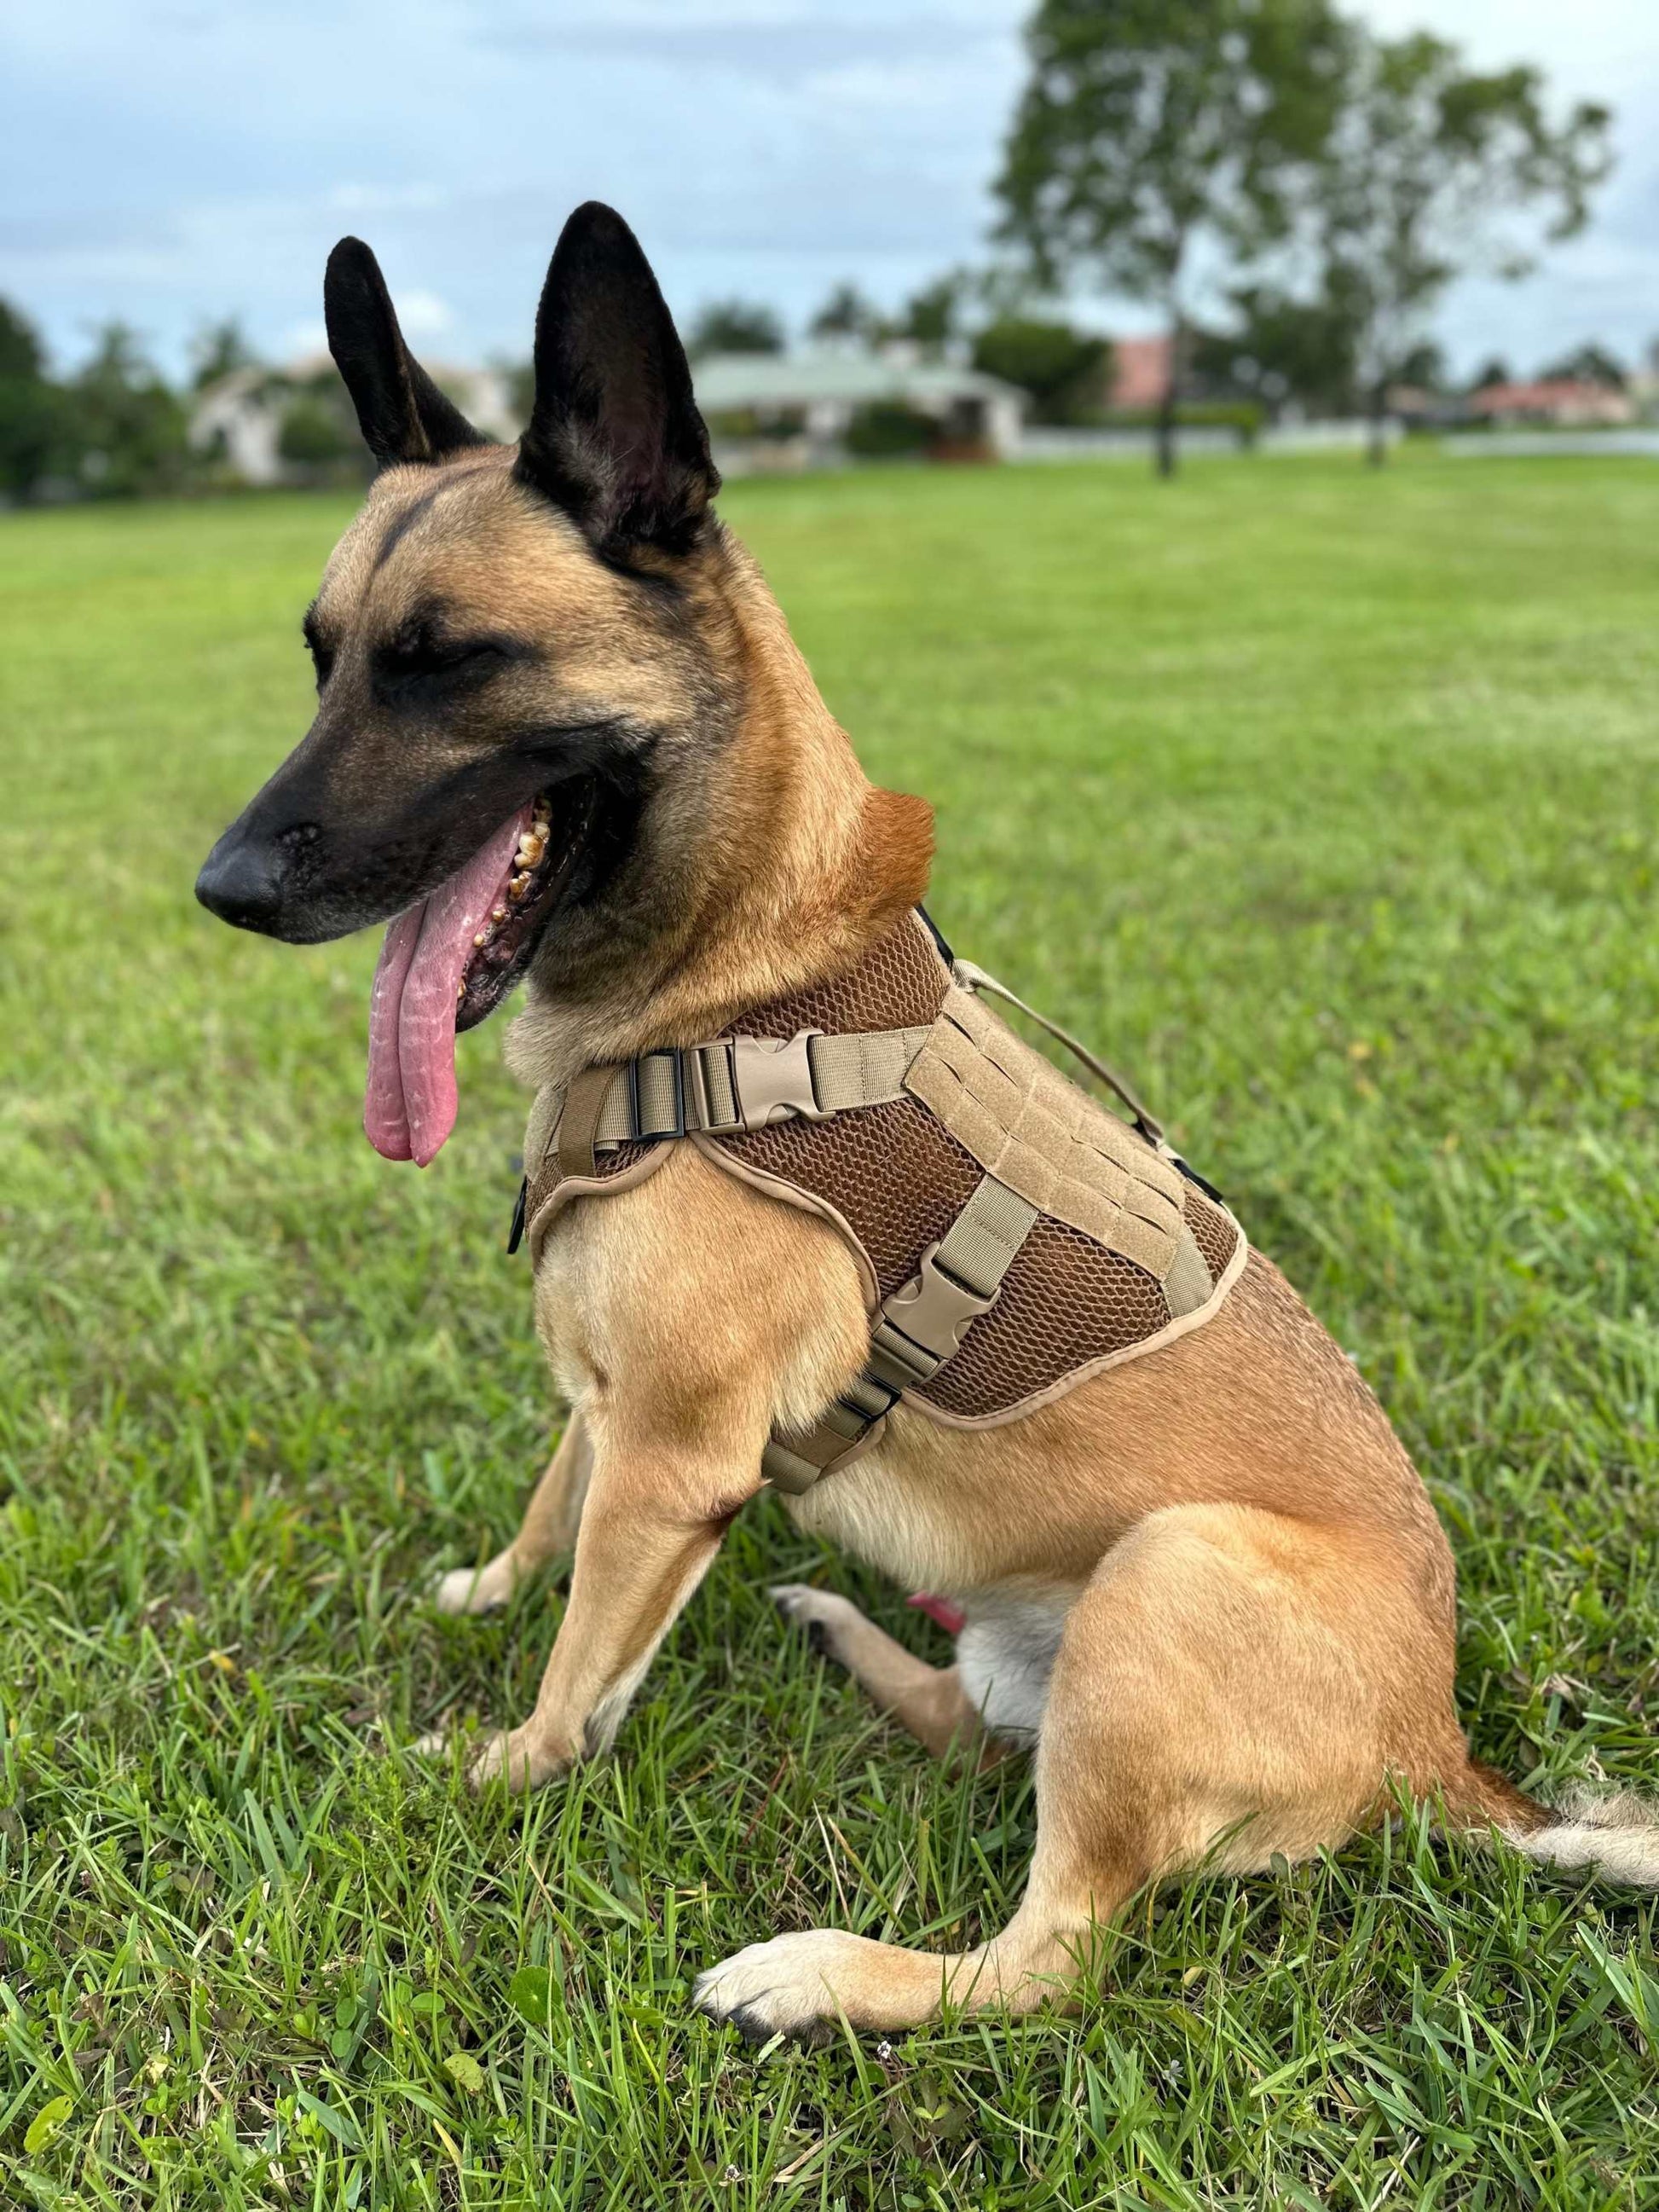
(1013,1237)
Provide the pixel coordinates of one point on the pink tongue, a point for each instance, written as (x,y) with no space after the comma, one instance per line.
(409,1109)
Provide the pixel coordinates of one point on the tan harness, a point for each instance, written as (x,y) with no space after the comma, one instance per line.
(1014,1237)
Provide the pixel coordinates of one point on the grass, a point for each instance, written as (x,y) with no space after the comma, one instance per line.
(1324,805)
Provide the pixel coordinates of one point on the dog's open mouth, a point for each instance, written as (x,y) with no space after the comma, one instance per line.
(448,961)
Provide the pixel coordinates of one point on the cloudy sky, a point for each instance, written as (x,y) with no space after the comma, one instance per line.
(170,161)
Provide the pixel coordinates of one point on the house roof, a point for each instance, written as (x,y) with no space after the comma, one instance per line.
(1531,398)
(728,382)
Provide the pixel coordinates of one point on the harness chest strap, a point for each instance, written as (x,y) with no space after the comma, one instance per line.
(738,1083)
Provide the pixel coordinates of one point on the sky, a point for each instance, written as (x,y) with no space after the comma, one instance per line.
(173,161)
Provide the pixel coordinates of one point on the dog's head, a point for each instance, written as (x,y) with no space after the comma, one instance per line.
(515,648)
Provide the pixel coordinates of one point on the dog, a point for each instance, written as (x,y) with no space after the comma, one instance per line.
(556,699)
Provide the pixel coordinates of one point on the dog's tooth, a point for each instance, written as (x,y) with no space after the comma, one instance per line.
(530,851)
(498,913)
(518,887)
(482,938)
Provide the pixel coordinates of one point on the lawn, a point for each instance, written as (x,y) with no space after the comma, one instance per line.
(1324,805)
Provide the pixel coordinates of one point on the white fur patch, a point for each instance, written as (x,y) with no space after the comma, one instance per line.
(1618,1835)
(1005,1654)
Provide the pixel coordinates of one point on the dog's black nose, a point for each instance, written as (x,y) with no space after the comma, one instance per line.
(241,881)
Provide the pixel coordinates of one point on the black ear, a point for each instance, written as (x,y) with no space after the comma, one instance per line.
(615,437)
(400,411)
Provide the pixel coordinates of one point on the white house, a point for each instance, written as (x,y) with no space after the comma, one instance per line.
(242,414)
(803,404)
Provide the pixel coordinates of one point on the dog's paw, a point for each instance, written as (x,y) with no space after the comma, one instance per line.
(825,1617)
(780,1988)
(517,1757)
(474,1589)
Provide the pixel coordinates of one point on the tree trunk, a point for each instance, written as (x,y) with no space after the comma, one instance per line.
(1166,406)
(1377,447)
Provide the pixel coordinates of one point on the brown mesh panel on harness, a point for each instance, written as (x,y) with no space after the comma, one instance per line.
(1014,1234)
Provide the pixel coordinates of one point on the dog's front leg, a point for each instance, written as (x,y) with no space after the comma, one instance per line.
(653,1520)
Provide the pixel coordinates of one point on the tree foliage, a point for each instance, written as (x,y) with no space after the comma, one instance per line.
(1153,134)
(846,314)
(130,428)
(1433,170)
(218,350)
(1065,371)
(734,327)
(1278,347)
(33,431)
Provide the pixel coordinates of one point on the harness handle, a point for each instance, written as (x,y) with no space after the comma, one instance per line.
(973,978)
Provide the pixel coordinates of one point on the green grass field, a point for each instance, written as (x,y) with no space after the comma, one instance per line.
(1325,806)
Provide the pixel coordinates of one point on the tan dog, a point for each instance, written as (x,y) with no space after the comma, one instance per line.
(563,733)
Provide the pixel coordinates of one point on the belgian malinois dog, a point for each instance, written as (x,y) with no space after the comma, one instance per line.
(563,738)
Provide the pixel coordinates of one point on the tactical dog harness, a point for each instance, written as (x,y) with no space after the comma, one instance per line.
(1014,1237)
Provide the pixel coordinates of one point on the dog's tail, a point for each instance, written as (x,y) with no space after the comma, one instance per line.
(1616,1832)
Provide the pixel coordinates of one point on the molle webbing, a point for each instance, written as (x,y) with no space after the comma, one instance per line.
(1014,1235)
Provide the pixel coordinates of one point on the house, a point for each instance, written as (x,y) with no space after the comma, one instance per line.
(784,411)
(1141,371)
(255,420)
(1563,402)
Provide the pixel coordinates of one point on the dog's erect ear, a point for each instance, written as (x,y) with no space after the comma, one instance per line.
(400,411)
(615,438)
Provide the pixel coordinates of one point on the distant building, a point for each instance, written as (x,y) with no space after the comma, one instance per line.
(1563,402)
(784,412)
(242,417)
(1141,371)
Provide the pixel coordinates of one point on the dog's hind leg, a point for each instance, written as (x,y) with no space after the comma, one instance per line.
(1231,1684)
(549,1528)
(929,1701)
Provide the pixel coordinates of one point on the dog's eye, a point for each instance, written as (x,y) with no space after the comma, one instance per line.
(410,660)
(322,655)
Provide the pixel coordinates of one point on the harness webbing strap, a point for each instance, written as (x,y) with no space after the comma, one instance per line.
(744,1082)
(916,1331)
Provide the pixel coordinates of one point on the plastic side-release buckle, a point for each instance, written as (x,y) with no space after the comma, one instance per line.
(772,1078)
(923,1323)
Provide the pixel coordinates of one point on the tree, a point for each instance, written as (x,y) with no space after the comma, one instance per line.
(1062,369)
(1280,347)
(32,430)
(1154,133)
(1427,159)
(1589,364)
(846,314)
(932,317)
(734,327)
(130,428)
(1497,371)
(218,350)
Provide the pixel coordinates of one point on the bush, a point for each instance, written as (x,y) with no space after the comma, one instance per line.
(1062,371)
(310,434)
(887,430)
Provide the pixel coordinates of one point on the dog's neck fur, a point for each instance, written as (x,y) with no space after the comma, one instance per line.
(777,864)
